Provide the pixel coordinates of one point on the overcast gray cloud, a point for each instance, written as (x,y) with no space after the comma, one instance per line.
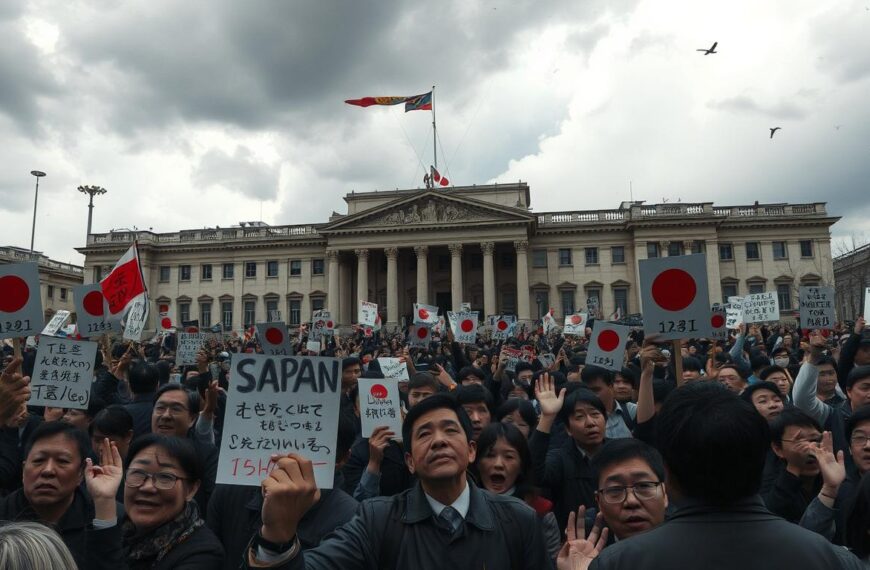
(746,104)
(240,172)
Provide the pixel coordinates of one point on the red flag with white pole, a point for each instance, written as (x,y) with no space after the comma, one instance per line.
(124,284)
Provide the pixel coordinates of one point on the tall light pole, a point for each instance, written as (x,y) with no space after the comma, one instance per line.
(38,174)
(91,191)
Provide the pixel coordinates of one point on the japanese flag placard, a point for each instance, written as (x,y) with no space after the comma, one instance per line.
(380,405)
(274,339)
(92,311)
(718,320)
(817,307)
(20,300)
(607,345)
(163,319)
(464,326)
(502,326)
(675,299)
(393,368)
(368,314)
(419,335)
(575,324)
(761,307)
(425,314)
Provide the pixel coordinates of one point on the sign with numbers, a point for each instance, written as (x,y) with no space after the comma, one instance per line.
(817,307)
(761,307)
(607,345)
(675,299)
(63,373)
(718,320)
(380,405)
(575,324)
(20,300)
(464,326)
(274,339)
(92,311)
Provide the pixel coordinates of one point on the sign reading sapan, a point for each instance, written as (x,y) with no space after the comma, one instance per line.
(280,404)
(817,307)
(761,307)
(63,373)
(380,405)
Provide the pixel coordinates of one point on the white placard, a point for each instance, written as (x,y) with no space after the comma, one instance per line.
(502,326)
(464,326)
(425,314)
(137,316)
(419,336)
(548,322)
(817,307)
(313,346)
(274,339)
(607,345)
(464,307)
(63,373)
(380,405)
(867,304)
(675,298)
(393,368)
(761,307)
(281,405)
(547,360)
(189,345)
(20,300)
(58,320)
(92,311)
(718,322)
(575,324)
(733,313)
(368,314)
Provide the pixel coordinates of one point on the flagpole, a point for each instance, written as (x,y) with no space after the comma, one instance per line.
(434,132)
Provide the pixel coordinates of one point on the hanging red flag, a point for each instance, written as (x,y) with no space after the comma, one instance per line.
(436,176)
(124,283)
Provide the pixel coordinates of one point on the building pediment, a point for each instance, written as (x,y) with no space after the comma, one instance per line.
(428,208)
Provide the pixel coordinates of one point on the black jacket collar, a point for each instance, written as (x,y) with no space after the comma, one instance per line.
(417,508)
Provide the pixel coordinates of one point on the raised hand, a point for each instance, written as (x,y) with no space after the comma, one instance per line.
(378,443)
(832,467)
(119,369)
(288,492)
(578,552)
(14,391)
(545,393)
(104,479)
(211,398)
(859,325)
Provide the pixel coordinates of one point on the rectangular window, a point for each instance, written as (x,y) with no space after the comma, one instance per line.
(272,312)
(726,252)
(539,258)
(806,248)
(565,257)
(317,304)
(49,291)
(228,271)
(163,277)
(542,301)
(728,290)
(183,312)
(63,293)
(227,314)
(780,250)
(675,248)
(507,260)
(697,246)
(509,303)
(476,261)
(250,269)
(271,269)
(652,250)
(295,267)
(205,315)
(250,312)
(620,300)
(753,252)
(205,272)
(617,254)
(591,256)
(568,302)
(184,273)
(294,309)
(98,273)
(784,293)
(755,288)
(317,267)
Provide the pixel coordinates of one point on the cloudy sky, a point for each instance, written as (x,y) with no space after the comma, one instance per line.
(204,113)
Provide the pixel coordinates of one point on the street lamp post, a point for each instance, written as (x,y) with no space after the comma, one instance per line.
(91,191)
(38,174)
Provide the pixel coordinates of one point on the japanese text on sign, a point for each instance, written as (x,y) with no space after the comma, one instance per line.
(393,368)
(760,307)
(379,405)
(189,344)
(63,373)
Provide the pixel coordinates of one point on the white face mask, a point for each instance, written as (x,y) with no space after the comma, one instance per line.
(781,362)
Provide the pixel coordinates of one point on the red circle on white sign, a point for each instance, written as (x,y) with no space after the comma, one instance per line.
(608,341)
(274,335)
(718,321)
(14,293)
(674,289)
(329,324)
(422,332)
(466,325)
(166,323)
(576,319)
(502,325)
(379,391)
(423,314)
(93,303)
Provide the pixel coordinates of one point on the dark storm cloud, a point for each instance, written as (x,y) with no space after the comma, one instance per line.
(240,172)
(745,104)
(24,78)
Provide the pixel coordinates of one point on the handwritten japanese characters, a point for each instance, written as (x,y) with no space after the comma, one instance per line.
(63,373)
(817,307)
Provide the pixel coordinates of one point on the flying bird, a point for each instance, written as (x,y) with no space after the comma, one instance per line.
(711,50)
(773,131)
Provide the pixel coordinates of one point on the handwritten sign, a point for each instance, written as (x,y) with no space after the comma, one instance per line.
(718,322)
(137,316)
(817,307)
(464,326)
(502,326)
(393,368)
(675,298)
(189,344)
(379,405)
(607,345)
(368,314)
(58,320)
(20,300)
(733,312)
(63,373)
(761,307)
(575,324)
(279,404)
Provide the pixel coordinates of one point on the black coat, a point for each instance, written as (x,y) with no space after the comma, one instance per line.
(140,408)
(566,474)
(395,476)
(208,457)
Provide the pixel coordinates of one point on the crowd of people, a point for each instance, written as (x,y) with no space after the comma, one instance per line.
(744,453)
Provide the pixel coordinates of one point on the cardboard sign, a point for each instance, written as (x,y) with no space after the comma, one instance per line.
(733,313)
(575,325)
(313,346)
(464,326)
(675,299)
(380,405)
(867,304)
(419,336)
(20,300)
(279,404)
(718,320)
(393,368)
(817,307)
(58,320)
(63,373)
(607,345)
(137,316)
(368,314)
(189,344)
(425,314)
(502,326)
(761,307)
(548,321)
(92,311)
(274,339)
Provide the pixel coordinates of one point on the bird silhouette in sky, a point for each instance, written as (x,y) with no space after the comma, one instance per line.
(773,131)
(711,50)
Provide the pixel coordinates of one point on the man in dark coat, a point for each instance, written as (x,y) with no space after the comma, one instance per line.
(143,379)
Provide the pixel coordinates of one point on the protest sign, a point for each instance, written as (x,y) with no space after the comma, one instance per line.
(511,357)
(393,368)
(817,307)
(137,316)
(733,312)
(313,346)
(761,307)
(279,405)
(464,326)
(274,339)
(380,405)
(321,324)
(502,326)
(164,321)
(419,336)
(63,373)
(675,299)
(20,300)
(548,321)
(575,324)
(464,307)
(607,345)
(425,314)
(592,306)
(92,311)
(867,304)
(527,353)
(189,344)
(547,360)
(718,320)
(368,314)
(58,320)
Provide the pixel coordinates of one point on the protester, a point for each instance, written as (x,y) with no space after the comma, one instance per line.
(32,546)
(142,378)
(733,377)
(792,434)
(621,416)
(766,398)
(779,376)
(520,413)
(477,403)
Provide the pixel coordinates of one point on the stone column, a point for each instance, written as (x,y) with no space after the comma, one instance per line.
(687,247)
(665,251)
(333,302)
(392,254)
(346,303)
(362,278)
(714,277)
(456,274)
(422,253)
(522,247)
(488,248)
(639,254)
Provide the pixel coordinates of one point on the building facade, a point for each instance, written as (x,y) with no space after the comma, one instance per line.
(478,244)
(852,277)
(56,279)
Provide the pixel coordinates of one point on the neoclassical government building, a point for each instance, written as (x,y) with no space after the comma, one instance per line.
(483,245)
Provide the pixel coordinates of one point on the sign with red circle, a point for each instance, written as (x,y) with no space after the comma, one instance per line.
(675,297)
(576,319)
(502,325)
(607,345)
(422,332)
(92,311)
(20,302)
(274,335)
(378,391)
(93,303)
(464,326)
(467,325)
(274,339)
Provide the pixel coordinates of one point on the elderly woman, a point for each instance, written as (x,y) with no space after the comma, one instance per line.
(162,528)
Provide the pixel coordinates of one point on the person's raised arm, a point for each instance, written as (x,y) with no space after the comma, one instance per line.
(737,350)
(14,391)
(546,472)
(370,481)
(646,407)
(846,360)
(550,403)
(804,390)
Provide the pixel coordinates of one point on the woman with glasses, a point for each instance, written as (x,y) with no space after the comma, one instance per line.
(162,527)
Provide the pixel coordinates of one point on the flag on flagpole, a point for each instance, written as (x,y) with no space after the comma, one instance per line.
(369,101)
(124,284)
(436,176)
(421,102)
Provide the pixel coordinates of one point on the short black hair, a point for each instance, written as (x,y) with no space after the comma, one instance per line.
(473,394)
(825,359)
(180,449)
(623,449)
(432,403)
(349,361)
(630,374)
(595,373)
(193,399)
(143,377)
(423,380)
(768,370)
(713,443)
(580,396)
(490,435)
(113,420)
(522,367)
(860,415)
(753,388)
(857,374)
(738,368)
(759,361)
(692,363)
(466,371)
(524,407)
(46,430)
(791,417)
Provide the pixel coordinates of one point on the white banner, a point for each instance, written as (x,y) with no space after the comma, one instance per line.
(63,373)
(368,314)
(817,307)
(393,368)
(761,307)
(137,316)
(380,405)
(464,326)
